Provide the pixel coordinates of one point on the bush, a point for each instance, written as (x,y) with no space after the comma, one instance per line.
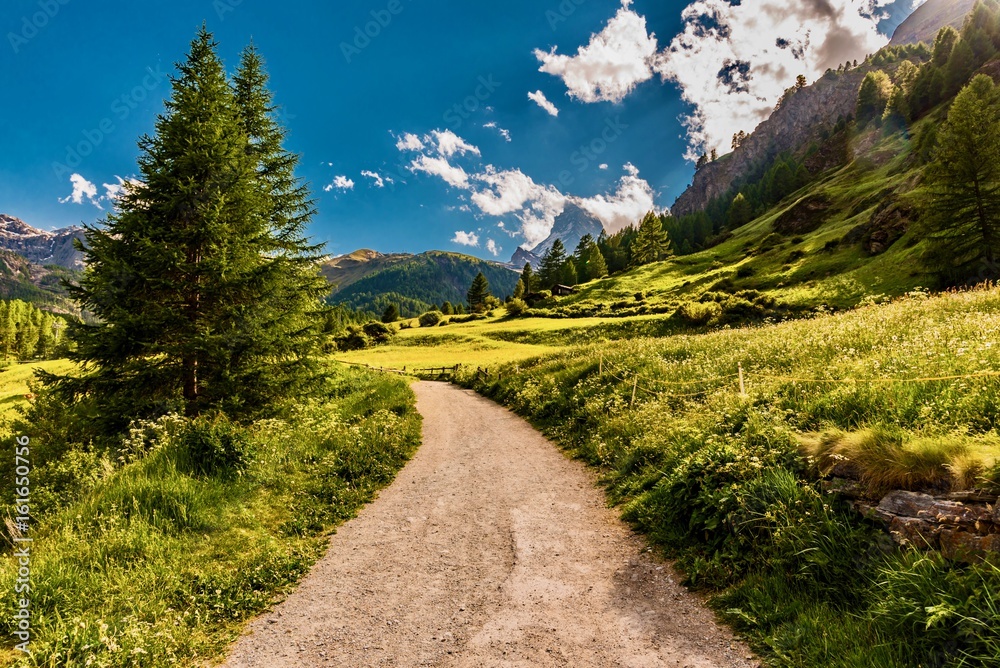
(378,332)
(745,271)
(430,319)
(354,339)
(516,307)
(214,446)
(698,314)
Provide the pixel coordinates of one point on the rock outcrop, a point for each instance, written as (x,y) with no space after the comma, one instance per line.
(797,123)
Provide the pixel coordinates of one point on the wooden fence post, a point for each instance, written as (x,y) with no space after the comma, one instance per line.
(743,387)
(600,366)
(635,384)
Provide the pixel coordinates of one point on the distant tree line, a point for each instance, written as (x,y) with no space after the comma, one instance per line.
(28,333)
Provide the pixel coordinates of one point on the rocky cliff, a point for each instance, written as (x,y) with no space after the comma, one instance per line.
(792,127)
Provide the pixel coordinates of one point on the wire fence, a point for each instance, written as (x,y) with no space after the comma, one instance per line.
(654,387)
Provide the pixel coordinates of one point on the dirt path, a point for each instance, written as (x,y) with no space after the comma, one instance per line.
(489,549)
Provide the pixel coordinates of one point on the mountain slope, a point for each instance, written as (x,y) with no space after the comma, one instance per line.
(41,247)
(369,281)
(923,24)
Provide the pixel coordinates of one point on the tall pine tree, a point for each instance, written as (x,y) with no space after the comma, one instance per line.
(550,272)
(478,293)
(200,279)
(651,244)
(962,219)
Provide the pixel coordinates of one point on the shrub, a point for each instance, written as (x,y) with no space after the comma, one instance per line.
(354,339)
(516,307)
(378,332)
(430,319)
(745,271)
(698,314)
(214,446)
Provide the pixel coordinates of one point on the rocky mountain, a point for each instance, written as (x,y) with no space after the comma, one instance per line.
(41,247)
(805,114)
(369,281)
(796,123)
(522,257)
(570,226)
(923,24)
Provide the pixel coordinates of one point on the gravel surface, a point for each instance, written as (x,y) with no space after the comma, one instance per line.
(491,548)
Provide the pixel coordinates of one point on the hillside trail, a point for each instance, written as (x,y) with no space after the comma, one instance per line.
(491,548)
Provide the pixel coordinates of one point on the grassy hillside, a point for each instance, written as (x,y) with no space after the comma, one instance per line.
(164,554)
(724,482)
(368,281)
(815,249)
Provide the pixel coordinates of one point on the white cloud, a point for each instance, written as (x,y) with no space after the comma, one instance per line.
(734,61)
(615,61)
(503,133)
(452,174)
(633,199)
(340,183)
(603,166)
(82,189)
(377,180)
(448,144)
(493,248)
(496,192)
(465,239)
(539,98)
(113,191)
(409,142)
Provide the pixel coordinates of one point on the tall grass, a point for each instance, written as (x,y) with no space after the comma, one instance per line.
(161,560)
(721,481)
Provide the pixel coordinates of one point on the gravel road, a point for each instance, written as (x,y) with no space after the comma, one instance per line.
(491,548)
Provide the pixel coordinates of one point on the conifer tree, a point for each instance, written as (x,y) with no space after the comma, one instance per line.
(567,274)
(206,294)
(391,314)
(519,289)
(962,220)
(529,278)
(739,213)
(552,262)
(651,244)
(478,294)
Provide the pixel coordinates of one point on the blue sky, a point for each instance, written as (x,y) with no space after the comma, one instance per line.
(421,133)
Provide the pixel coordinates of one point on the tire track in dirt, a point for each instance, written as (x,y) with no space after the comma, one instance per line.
(491,548)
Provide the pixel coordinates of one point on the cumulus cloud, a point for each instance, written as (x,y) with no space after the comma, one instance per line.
(408,142)
(435,166)
(341,183)
(448,144)
(513,192)
(733,61)
(616,60)
(503,133)
(502,192)
(82,190)
(465,239)
(376,178)
(493,248)
(633,199)
(114,191)
(603,166)
(538,97)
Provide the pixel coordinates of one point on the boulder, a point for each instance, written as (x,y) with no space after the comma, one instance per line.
(914,532)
